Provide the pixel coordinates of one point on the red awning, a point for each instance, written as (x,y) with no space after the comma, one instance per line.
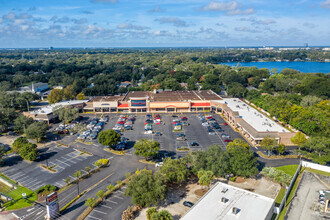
(123,106)
(203,104)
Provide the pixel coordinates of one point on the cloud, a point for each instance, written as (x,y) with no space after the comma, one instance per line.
(32,8)
(0,20)
(80,21)
(87,12)
(157,9)
(172,20)
(130,26)
(221,6)
(326,4)
(255,21)
(64,20)
(309,25)
(9,16)
(231,8)
(104,1)
(220,24)
(245,29)
(241,12)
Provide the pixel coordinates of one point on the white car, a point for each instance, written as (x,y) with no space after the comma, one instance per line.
(205,124)
(148,132)
(159,164)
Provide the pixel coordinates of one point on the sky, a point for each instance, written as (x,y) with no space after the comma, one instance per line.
(163,23)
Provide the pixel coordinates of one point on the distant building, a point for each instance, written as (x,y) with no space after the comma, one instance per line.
(46,113)
(35,87)
(226,202)
(59,87)
(125,84)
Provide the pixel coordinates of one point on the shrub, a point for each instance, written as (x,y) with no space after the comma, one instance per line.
(128,214)
(101,162)
(277,175)
(233,179)
(46,189)
(150,212)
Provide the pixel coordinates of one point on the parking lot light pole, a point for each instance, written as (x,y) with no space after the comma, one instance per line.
(78,188)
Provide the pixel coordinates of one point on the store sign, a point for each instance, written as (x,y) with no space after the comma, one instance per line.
(52,206)
(138,103)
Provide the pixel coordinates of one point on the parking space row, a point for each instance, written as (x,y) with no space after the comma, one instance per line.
(108,209)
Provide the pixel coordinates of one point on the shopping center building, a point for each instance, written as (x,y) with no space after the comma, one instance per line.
(148,101)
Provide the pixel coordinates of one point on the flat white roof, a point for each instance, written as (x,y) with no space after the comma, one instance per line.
(49,108)
(257,120)
(250,205)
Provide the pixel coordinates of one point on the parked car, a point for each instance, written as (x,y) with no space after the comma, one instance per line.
(159,164)
(225,123)
(194,144)
(211,132)
(228,140)
(158,134)
(184,119)
(180,135)
(181,138)
(188,204)
(185,123)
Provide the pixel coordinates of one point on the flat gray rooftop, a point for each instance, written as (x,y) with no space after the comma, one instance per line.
(250,205)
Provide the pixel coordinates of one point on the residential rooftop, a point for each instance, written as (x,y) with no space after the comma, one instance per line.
(223,200)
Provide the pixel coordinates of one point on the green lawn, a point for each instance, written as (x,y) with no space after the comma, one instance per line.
(280,196)
(16,194)
(318,172)
(289,169)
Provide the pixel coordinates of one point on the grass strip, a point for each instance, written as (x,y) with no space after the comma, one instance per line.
(117,152)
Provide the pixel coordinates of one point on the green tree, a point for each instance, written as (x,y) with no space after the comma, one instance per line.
(174,170)
(217,161)
(67,180)
(37,130)
(237,142)
(100,194)
(146,189)
(109,137)
(21,123)
(280,148)
(66,113)
(110,187)
(205,177)
(197,159)
(90,202)
(101,162)
(69,93)
(237,90)
(77,174)
(320,145)
(18,143)
(2,154)
(146,148)
(162,215)
(81,96)
(150,212)
(88,169)
(242,161)
(298,139)
(29,152)
(56,95)
(269,144)
(310,100)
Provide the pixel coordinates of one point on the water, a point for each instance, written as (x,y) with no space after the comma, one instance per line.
(304,67)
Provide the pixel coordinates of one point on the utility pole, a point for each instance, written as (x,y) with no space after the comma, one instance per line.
(28,107)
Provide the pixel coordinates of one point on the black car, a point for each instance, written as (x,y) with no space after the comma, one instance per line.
(188,204)
(158,134)
(194,144)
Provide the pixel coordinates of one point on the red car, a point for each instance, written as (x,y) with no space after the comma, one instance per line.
(123,117)
(120,122)
(228,140)
(184,118)
(225,124)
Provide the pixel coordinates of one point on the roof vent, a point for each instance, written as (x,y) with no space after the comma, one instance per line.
(224,190)
(224,200)
(236,210)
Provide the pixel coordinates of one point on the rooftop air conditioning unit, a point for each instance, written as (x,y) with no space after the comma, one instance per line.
(235,210)
(224,200)
(224,190)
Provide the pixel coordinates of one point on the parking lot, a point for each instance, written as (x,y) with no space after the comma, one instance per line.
(194,132)
(62,159)
(112,207)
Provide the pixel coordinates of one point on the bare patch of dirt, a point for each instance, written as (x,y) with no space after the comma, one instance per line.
(201,192)
(240,179)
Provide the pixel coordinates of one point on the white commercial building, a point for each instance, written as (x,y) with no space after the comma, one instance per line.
(225,202)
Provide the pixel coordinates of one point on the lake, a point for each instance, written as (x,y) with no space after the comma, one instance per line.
(304,67)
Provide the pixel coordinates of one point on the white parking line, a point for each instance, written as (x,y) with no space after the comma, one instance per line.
(22,179)
(109,207)
(30,182)
(63,162)
(99,212)
(35,184)
(112,202)
(20,174)
(93,217)
(118,197)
